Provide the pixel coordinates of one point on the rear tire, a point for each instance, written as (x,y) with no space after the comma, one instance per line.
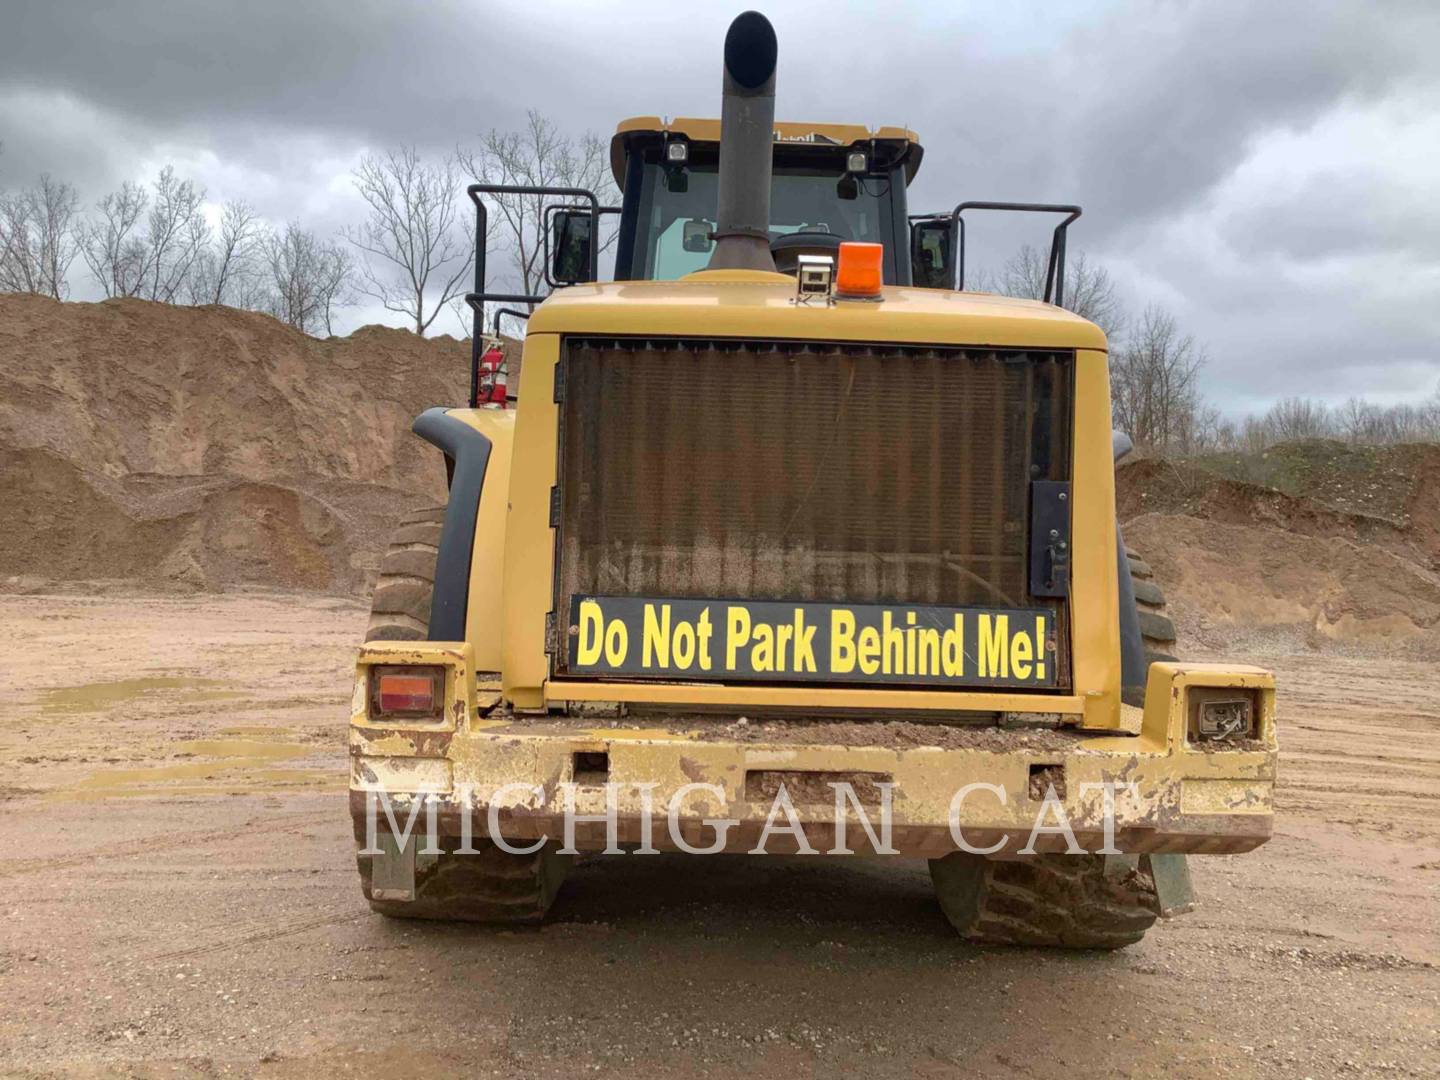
(1065,901)
(1156,628)
(400,605)
(490,886)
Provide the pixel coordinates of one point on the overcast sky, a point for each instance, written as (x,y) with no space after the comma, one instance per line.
(1270,172)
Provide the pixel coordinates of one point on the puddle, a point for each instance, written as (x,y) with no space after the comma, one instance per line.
(231,764)
(258,731)
(249,751)
(100,696)
(255,782)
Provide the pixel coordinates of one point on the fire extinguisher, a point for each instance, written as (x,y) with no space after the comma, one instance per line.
(491,377)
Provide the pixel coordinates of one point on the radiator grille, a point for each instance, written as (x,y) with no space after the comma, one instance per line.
(803,471)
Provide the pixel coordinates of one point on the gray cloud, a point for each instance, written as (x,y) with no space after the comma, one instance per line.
(1220,149)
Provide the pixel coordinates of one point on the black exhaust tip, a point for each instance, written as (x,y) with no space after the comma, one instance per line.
(747,147)
(751,50)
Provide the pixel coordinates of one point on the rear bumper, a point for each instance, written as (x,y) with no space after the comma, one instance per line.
(690,782)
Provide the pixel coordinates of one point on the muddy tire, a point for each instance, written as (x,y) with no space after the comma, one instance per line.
(1156,628)
(490,886)
(1065,901)
(400,606)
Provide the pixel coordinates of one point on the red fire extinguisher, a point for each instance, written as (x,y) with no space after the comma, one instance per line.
(491,377)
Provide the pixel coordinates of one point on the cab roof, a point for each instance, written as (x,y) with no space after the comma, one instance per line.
(706,130)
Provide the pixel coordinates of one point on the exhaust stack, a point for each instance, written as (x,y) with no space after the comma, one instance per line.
(747,127)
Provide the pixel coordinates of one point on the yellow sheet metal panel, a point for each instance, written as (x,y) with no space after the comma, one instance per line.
(484,612)
(1166,706)
(400,775)
(809,697)
(1225,797)
(529,540)
(762,307)
(1094,604)
(456,657)
(1182,800)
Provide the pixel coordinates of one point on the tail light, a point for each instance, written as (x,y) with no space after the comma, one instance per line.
(407,693)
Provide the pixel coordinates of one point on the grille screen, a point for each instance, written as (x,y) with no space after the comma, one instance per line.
(817,472)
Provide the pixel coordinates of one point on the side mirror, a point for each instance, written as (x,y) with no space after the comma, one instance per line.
(695,235)
(572,247)
(932,254)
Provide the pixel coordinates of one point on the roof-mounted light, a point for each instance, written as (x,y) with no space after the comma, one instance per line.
(858,271)
(677,151)
(856,162)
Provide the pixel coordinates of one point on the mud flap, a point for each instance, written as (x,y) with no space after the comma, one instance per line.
(1173,892)
(392,872)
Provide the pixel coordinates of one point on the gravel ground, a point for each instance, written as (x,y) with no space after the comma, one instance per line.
(180,900)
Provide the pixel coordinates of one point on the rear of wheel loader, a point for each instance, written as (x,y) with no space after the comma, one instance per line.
(813,561)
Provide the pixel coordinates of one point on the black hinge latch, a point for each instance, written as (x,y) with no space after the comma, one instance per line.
(555,506)
(559,383)
(1049,538)
(551,644)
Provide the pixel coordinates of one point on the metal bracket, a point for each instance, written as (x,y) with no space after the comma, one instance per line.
(554,506)
(392,872)
(1174,895)
(1049,538)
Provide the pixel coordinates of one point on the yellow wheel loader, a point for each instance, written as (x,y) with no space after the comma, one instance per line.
(783,541)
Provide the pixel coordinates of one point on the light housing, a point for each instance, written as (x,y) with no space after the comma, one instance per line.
(1220,714)
(858,271)
(677,151)
(408,692)
(814,278)
(856,161)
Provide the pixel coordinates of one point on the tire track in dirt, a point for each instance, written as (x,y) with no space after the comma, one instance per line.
(280,823)
(255,937)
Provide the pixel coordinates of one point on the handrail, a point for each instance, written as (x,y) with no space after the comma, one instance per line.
(477,299)
(514,313)
(1055,268)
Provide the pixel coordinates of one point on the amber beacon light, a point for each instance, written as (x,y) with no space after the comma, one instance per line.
(857,277)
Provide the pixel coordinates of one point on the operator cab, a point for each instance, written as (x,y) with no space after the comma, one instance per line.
(831,183)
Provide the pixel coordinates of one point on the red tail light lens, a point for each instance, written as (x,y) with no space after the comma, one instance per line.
(411,693)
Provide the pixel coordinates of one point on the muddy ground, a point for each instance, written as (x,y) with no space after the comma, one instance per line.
(179,899)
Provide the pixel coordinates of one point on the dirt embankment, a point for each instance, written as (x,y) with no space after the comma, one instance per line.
(208,447)
(205,448)
(1323,541)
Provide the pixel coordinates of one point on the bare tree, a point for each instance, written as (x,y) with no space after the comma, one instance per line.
(1153,383)
(177,235)
(540,155)
(37,238)
(415,233)
(154,261)
(111,245)
(1296,418)
(308,278)
(223,273)
(1089,290)
(337,283)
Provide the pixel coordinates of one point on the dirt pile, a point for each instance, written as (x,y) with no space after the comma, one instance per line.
(205,448)
(208,447)
(1327,541)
